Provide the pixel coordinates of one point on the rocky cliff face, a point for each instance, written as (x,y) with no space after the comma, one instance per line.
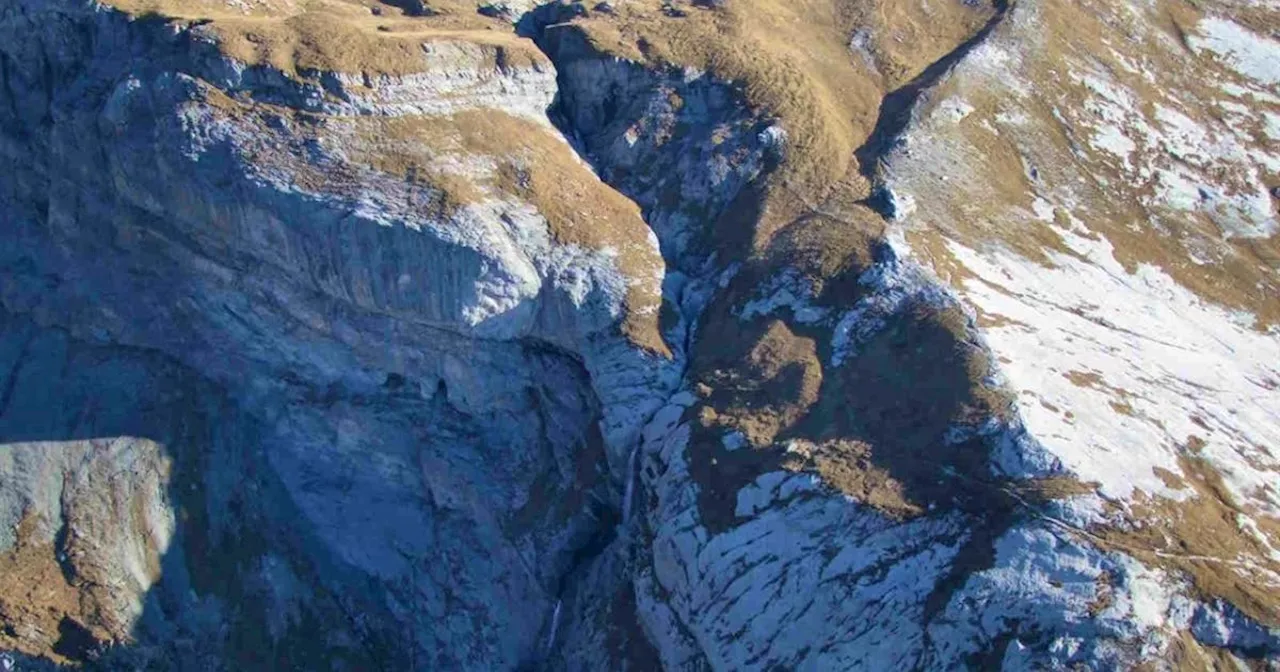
(339,334)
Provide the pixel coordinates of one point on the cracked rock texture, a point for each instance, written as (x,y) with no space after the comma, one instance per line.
(827,334)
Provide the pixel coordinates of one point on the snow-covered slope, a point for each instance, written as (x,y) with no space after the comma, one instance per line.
(1123,266)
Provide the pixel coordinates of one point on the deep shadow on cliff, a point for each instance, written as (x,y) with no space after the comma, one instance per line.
(399,508)
(59,389)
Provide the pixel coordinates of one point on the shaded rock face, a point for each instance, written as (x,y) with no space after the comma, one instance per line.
(391,473)
(317,370)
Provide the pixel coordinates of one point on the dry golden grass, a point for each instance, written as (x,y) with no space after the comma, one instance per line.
(1188,654)
(34,595)
(850,468)
(1120,397)
(1087,34)
(769,389)
(43,611)
(906,36)
(792,60)
(317,41)
(1200,537)
(874,425)
(901,392)
(300,36)
(207,9)
(830,251)
(758,378)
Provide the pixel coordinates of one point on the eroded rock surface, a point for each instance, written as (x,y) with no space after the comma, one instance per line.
(833,334)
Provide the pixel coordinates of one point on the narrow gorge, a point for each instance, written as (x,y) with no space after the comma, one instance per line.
(646,334)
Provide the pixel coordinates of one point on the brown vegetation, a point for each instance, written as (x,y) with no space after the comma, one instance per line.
(991,202)
(1202,538)
(872,428)
(36,597)
(71,586)
(1188,654)
(349,36)
(793,61)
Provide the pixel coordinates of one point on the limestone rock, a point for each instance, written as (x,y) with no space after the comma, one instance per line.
(370,334)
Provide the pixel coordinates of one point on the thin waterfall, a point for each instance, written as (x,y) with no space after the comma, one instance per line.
(629,492)
(555,625)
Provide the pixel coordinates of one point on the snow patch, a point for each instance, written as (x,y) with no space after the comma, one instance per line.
(894,285)
(1249,54)
(1190,165)
(788,289)
(1271,125)
(1116,372)
(954,110)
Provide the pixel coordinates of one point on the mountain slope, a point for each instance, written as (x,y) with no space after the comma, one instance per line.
(344,334)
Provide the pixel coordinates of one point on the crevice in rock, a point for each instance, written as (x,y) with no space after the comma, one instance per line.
(613,544)
(897,107)
(15,371)
(75,642)
(60,550)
